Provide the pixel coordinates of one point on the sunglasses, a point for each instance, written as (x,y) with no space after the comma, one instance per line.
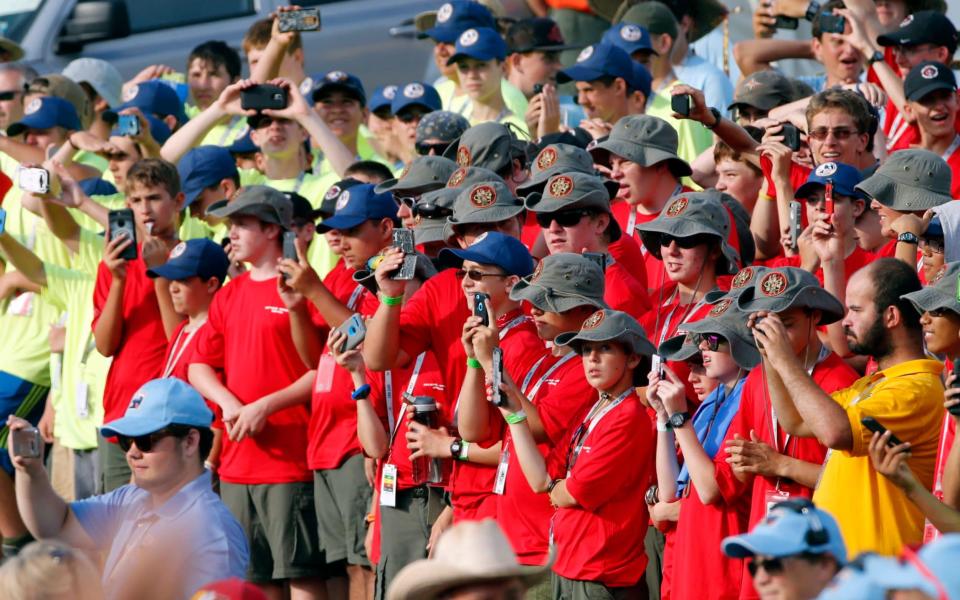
(478,275)
(686,243)
(429,210)
(840,133)
(146,442)
(8,95)
(773,566)
(411,116)
(713,340)
(566,218)
(437,148)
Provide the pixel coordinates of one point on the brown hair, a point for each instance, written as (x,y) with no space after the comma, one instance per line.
(848,101)
(153,172)
(722,150)
(259,34)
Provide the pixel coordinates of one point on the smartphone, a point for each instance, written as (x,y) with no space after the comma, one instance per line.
(499,398)
(33,179)
(354,329)
(537,88)
(27,442)
(120,223)
(828,198)
(480,307)
(305,19)
(955,409)
(680,104)
(791,136)
(263,96)
(784,22)
(290,247)
(796,221)
(830,23)
(875,426)
(403,239)
(128,125)
(598,257)
(3,220)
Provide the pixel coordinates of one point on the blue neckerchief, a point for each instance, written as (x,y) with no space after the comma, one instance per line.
(718,408)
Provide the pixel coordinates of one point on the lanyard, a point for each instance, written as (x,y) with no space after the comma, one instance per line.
(394,422)
(824,353)
(667,330)
(952,148)
(354,296)
(590,423)
(632,219)
(513,323)
(229,130)
(178,349)
(897,129)
(296,188)
(543,378)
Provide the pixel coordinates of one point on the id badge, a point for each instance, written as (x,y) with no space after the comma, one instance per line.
(325,371)
(21,305)
(81,399)
(501,482)
(388,486)
(773,497)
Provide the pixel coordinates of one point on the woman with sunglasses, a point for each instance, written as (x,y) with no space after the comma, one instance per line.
(706,516)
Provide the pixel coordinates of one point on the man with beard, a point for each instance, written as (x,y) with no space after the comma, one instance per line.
(904,396)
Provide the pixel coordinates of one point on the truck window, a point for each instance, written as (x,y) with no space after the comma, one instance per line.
(16,16)
(147,15)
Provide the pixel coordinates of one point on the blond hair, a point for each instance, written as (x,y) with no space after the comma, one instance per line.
(50,570)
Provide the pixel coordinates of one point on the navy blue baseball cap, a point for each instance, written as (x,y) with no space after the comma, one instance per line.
(844,178)
(95,186)
(160,403)
(358,204)
(599,60)
(629,37)
(642,79)
(154,97)
(480,43)
(382,97)
(416,94)
(455,17)
(339,81)
(243,144)
(46,112)
(492,248)
(198,257)
(158,129)
(202,167)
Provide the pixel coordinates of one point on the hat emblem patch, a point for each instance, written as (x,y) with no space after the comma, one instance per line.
(594,320)
(546,158)
(456,178)
(721,307)
(343,199)
(178,250)
(677,207)
(630,32)
(336,76)
(130,93)
(413,90)
(469,37)
(404,172)
(332,193)
(585,54)
(752,85)
(483,196)
(742,278)
(561,186)
(826,169)
(929,72)
(906,21)
(390,92)
(136,401)
(34,106)
(773,284)
(444,13)
(463,156)
(555,36)
(306,85)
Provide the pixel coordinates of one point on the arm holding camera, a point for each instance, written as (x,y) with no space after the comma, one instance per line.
(734,135)
(668,467)
(474,412)
(193,130)
(23,260)
(381,348)
(771,218)
(830,252)
(268,67)
(108,329)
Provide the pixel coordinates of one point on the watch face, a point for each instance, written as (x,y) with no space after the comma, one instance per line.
(678,420)
(455,448)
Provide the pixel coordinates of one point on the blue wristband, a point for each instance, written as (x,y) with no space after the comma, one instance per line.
(361,393)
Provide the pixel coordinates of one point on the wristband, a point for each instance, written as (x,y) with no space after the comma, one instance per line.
(362,392)
(908,238)
(370,518)
(474,363)
(517,417)
(391,300)
(464,454)
(662,426)
(717,118)
(552,485)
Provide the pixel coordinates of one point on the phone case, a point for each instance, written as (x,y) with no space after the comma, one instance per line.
(681,104)
(783,22)
(27,443)
(403,239)
(791,137)
(498,396)
(480,307)
(128,125)
(263,96)
(355,331)
(307,19)
(599,258)
(121,222)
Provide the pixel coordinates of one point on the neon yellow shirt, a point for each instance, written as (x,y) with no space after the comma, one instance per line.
(512,96)
(223,133)
(110,202)
(873,514)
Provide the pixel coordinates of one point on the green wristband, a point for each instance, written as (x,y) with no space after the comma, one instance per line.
(517,417)
(474,363)
(391,300)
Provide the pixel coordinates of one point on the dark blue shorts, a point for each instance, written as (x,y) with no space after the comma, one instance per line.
(21,398)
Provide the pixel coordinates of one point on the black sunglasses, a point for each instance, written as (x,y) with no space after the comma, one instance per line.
(429,210)
(564,218)
(146,442)
(8,95)
(438,148)
(411,116)
(686,242)
(773,566)
(477,275)
(713,340)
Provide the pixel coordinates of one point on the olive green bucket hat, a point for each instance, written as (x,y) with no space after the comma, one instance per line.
(645,140)
(939,294)
(571,191)
(909,180)
(489,202)
(608,325)
(562,281)
(423,174)
(556,159)
(784,288)
(725,320)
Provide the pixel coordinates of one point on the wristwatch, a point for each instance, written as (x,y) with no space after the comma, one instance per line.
(362,392)
(876,57)
(908,238)
(717,117)
(813,9)
(677,420)
(455,447)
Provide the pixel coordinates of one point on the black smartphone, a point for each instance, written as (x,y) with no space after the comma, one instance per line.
(403,239)
(128,125)
(305,19)
(680,104)
(121,223)
(796,221)
(875,426)
(537,88)
(955,409)
(480,307)
(355,330)
(599,258)
(290,247)
(499,398)
(830,23)
(791,136)
(263,96)
(784,22)
(27,443)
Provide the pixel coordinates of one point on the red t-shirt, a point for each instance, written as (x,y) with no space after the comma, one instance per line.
(333,413)
(143,341)
(953,161)
(601,539)
(798,175)
(624,292)
(755,414)
(947,434)
(622,212)
(530,230)
(562,400)
(628,252)
(178,358)
(248,336)
(858,259)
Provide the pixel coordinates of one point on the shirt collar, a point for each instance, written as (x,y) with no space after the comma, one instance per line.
(912,367)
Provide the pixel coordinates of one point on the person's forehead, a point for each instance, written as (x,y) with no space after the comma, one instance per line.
(728,164)
(203,64)
(124,143)
(337,97)
(10,79)
(832,116)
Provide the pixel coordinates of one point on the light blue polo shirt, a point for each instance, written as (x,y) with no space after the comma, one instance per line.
(210,544)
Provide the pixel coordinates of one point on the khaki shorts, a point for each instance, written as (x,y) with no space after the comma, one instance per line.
(405,530)
(281,528)
(570,589)
(342,498)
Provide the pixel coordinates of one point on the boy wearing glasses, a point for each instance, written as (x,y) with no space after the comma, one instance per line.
(411,103)
(165,434)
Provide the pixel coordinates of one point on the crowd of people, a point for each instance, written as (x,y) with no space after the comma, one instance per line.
(615,308)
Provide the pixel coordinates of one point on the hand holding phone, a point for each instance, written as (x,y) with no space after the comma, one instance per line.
(355,330)
(830,23)
(120,223)
(128,125)
(403,239)
(34,180)
(263,96)
(875,426)
(680,104)
(785,22)
(791,136)
(26,442)
(290,247)
(828,198)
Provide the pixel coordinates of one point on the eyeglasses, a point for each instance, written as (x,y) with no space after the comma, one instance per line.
(565,218)
(478,275)
(146,442)
(429,210)
(411,116)
(840,133)
(773,566)
(407,201)
(438,148)
(686,242)
(713,340)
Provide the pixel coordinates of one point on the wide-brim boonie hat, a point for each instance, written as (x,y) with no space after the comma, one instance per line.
(608,325)
(725,320)
(562,281)
(790,287)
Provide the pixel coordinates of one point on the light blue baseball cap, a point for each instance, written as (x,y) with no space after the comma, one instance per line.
(790,528)
(160,403)
(935,568)
(856,580)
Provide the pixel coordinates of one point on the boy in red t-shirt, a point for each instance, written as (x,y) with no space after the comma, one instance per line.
(133,316)
(933,106)
(265,481)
